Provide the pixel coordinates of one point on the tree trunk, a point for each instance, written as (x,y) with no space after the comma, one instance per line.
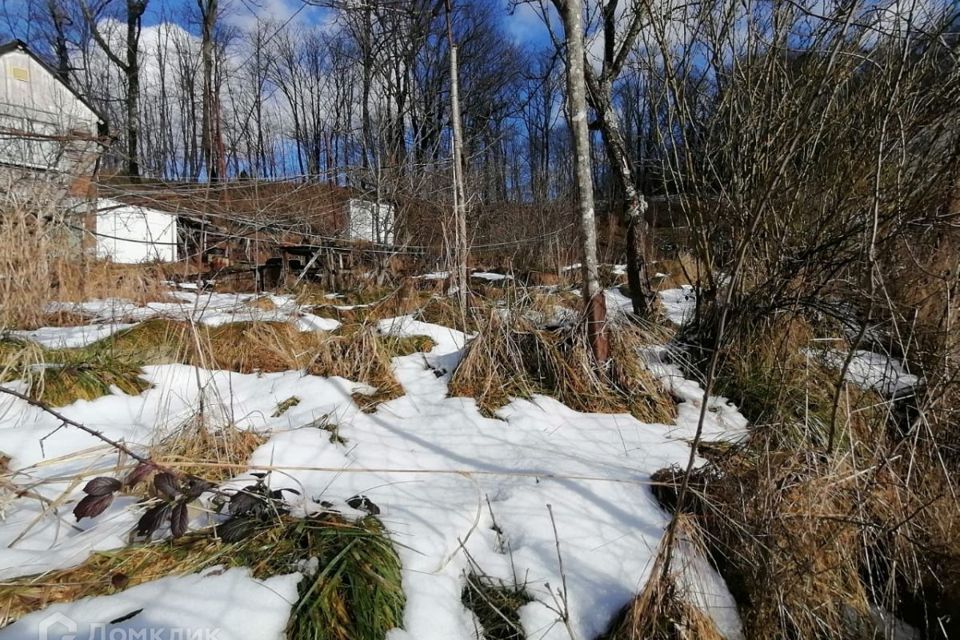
(635,206)
(634,218)
(60,21)
(209,127)
(459,192)
(135,10)
(596,308)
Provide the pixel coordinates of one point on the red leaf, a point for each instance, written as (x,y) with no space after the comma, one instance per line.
(138,474)
(152,518)
(178,520)
(92,506)
(166,483)
(101,486)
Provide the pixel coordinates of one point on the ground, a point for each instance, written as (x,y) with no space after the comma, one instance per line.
(538,495)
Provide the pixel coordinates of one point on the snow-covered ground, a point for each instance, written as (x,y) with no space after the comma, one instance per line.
(870,370)
(216,603)
(449,482)
(679,304)
(212,309)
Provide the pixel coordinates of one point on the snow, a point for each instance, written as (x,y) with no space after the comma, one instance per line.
(490,277)
(679,304)
(705,589)
(217,603)
(440,471)
(71,337)
(212,309)
(869,370)
(617,302)
(436,275)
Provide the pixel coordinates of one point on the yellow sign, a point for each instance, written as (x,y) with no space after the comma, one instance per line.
(21,74)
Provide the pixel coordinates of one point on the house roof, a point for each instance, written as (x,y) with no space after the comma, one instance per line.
(20,45)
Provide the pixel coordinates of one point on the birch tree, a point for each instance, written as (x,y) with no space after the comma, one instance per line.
(619,26)
(594,302)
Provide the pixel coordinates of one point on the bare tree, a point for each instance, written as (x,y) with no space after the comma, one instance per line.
(459,192)
(130,65)
(596,308)
(212,138)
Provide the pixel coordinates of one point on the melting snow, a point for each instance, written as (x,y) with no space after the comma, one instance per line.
(70,337)
(208,308)
(227,605)
(440,472)
(490,277)
(679,304)
(870,370)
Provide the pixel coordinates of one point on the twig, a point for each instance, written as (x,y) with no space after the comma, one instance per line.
(73,423)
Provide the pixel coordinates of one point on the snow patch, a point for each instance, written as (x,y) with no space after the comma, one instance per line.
(225,604)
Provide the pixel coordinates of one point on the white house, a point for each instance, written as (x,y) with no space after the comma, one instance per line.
(131,234)
(44,123)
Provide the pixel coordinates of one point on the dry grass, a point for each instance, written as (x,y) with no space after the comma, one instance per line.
(769,371)
(365,304)
(811,544)
(61,376)
(678,271)
(510,357)
(782,533)
(213,454)
(665,610)
(358,353)
(77,281)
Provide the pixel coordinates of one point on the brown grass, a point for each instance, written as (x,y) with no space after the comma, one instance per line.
(664,610)
(810,543)
(358,353)
(212,454)
(513,358)
(681,270)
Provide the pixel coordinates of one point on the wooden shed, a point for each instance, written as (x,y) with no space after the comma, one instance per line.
(44,123)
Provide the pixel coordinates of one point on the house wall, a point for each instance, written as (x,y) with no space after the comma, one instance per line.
(130,234)
(369,221)
(37,111)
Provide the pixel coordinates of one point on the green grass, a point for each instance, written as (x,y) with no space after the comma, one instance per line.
(60,377)
(355,593)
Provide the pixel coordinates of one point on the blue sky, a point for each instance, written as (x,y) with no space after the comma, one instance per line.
(522,22)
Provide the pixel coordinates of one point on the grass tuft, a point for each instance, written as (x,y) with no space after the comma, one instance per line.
(495,604)
(664,609)
(213,454)
(60,377)
(355,592)
(511,357)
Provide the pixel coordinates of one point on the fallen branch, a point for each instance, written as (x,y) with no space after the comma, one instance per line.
(119,446)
